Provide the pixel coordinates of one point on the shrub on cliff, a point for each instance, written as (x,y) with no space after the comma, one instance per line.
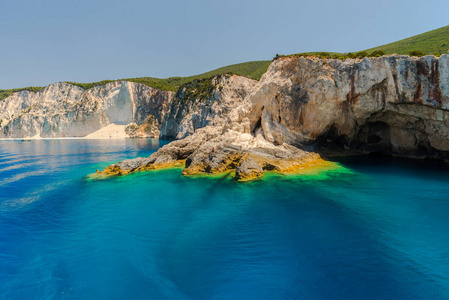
(377,53)
(416,53)
(350,55)
(324,55)
(131,128)
(199,89)
(6,93)
(361,54)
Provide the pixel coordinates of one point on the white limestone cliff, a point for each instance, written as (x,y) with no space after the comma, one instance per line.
(396,105)
(187,113)
(66,110)
(301,107)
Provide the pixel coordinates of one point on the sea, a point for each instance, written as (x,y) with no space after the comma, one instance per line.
(371,228)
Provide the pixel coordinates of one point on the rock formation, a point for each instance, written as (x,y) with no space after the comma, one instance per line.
(206,102)
(150,128)
(66,110)
(397,105)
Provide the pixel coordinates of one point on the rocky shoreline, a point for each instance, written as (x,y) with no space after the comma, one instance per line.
(395,105)
(209,152)
(303,108)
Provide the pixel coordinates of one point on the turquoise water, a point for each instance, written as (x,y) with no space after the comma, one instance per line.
(377,229)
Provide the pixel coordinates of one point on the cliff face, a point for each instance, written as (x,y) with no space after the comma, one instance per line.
(65,110)
(396,105)
(204,103)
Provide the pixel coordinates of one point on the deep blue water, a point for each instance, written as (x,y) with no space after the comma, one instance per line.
(379,229)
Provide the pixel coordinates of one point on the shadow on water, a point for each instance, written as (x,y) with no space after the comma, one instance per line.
(374,231)
(379,161)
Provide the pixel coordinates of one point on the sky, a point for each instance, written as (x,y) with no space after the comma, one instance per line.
(43,42)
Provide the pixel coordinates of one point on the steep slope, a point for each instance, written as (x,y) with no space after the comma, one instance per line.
(251,69)
(204,102)
(66,110)
(431,42)
(73,109)
(397,105)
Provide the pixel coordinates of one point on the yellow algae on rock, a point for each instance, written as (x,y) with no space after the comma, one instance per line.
(136,165)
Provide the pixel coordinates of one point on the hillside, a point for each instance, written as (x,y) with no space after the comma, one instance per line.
(252,69)
(431,42)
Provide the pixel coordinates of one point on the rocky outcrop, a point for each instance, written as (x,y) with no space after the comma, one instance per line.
(210,150)
(150,128)
(301,108)
(66,110)
(396,105)
(205,102)
(248,169)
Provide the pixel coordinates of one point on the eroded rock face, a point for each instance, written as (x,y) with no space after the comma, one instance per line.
(191,110)
(150,128)
(212,150)
(248,169)
(396,105)
(65,110)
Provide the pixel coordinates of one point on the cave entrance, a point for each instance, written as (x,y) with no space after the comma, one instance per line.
(257,126)
(375,137)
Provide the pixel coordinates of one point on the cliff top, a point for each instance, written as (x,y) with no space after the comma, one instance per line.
(252,69)
(434,42)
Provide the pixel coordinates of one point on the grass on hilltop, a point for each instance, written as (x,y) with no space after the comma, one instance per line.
(432,42)
(336,55)
(252,69)
(435,42)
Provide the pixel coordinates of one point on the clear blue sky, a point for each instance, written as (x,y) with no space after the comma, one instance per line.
(42,42)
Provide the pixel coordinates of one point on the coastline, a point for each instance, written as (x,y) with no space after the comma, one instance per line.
(109,132)
(27,139)
(316,167)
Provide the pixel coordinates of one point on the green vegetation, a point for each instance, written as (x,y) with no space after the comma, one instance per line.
(201,89)
(416,53)
(6,93)
(336,55)
(252,69)
(432,42)
(87,86)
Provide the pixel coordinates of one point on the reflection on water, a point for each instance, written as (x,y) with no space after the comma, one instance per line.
(372,229)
